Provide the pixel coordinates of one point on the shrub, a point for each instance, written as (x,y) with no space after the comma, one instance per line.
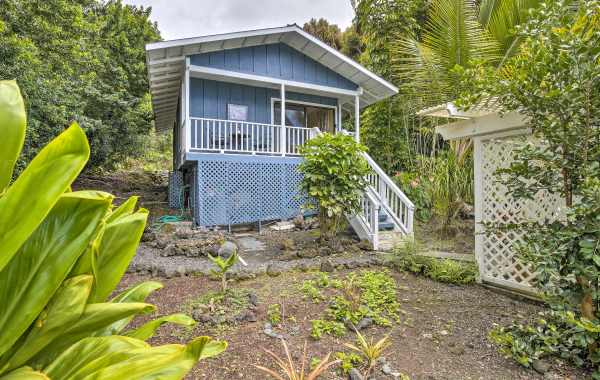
(443,270)
(63,254)
(554,83)
(334,175)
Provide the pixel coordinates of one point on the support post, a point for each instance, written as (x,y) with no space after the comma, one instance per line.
(283,136)
(357,118)
(188,125)
(339,117)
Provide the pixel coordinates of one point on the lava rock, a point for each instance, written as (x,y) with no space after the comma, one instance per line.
(364,323)
(354,374)
(541,366)
(253,299)
(201,317)
(227,249)
(299,221)
(273,271)
(327,266)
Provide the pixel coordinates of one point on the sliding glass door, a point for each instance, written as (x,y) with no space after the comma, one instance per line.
(300,115)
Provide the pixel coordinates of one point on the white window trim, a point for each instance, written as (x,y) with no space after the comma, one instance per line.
(287,101)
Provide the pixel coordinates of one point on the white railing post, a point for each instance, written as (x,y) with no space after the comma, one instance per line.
(188,125)
(357,118)
(283,132)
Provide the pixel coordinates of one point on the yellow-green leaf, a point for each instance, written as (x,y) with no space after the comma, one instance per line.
(12,125)
(64,309)
(35,273)
(147,330)
(31,197)
(24,373)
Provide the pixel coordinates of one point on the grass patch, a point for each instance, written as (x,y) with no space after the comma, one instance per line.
(443,270)
(366,294)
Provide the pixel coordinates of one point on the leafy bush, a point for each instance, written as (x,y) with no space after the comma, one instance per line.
(63,254)
(418,189)
(334,175)
(554,83)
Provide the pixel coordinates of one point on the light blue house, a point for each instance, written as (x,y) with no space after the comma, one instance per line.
(242,104)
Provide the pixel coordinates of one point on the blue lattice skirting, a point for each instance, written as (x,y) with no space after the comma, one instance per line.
(240,189)
(175,187)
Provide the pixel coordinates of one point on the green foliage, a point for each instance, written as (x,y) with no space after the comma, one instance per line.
(367,294)
(223,265)
(334,175)
(349,361)
(443,270)
(63,254)
(370,350)
(82,61)
(554,81)
(274,314)
(320,327)
(418,189)
(326,32)
(552,334)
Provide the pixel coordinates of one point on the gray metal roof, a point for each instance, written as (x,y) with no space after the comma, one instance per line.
(166,62)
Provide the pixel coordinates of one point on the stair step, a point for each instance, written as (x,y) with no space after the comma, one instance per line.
(385,226)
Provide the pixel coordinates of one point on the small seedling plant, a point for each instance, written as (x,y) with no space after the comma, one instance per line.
(370,350)
(223,265)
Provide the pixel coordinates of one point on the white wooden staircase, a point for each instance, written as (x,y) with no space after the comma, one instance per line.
(386,218)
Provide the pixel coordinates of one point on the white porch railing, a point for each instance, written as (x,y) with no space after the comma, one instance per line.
(396,204)
(229,136)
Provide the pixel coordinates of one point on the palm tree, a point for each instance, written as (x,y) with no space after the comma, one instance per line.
(457,32)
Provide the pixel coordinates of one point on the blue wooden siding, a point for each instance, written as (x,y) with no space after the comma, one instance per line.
(276,61)
(209,99)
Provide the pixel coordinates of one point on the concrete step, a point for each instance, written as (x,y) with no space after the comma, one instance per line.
(388,240)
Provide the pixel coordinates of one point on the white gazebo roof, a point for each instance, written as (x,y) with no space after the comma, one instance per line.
(480,120)
(166,62)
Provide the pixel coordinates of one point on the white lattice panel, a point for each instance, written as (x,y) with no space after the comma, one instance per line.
(496,257)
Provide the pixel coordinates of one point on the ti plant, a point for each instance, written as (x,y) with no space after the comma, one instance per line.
(224,265)
(293,372)
(63,254)
(370,350)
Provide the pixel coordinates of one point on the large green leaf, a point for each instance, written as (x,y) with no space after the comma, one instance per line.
(31,197)
(65,309)
(100,358)
(24,373)
(91,354)
(95,318)
(118,246)
(126,208)
(147,330)
(138,293)
(35,273)
(12,125)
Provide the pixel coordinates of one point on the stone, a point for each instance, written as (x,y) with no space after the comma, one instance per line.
(327,266)
(253,299)
(227,249)
(244,275)
(308,253)
(170,273)
(273,271)
(299,221)
(148,236)
(181,271)
(287,244)
(444,332)
(249,316)
(364,323)
(354,374)
(457,350)
(200,316)
(540,366)
(428,336)
(268,331)
(283,226)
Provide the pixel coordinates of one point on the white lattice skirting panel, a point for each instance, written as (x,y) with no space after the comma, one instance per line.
(495,254)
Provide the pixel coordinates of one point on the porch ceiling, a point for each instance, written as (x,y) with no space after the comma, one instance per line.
(166,63)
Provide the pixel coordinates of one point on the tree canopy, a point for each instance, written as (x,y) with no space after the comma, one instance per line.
(84,61)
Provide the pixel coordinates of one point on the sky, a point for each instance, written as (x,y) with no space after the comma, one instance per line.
(191,18)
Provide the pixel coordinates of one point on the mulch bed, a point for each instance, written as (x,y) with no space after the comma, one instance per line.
(446,339)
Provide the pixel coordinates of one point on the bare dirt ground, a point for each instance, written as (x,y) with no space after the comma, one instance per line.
(445,339)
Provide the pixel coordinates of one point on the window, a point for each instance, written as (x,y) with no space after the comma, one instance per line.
(237,112)
(297,115)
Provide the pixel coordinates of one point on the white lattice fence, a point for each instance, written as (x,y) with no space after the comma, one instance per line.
(495,253)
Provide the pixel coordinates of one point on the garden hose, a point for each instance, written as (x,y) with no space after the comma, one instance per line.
(166,219)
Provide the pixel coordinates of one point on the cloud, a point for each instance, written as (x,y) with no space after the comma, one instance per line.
(189,18)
